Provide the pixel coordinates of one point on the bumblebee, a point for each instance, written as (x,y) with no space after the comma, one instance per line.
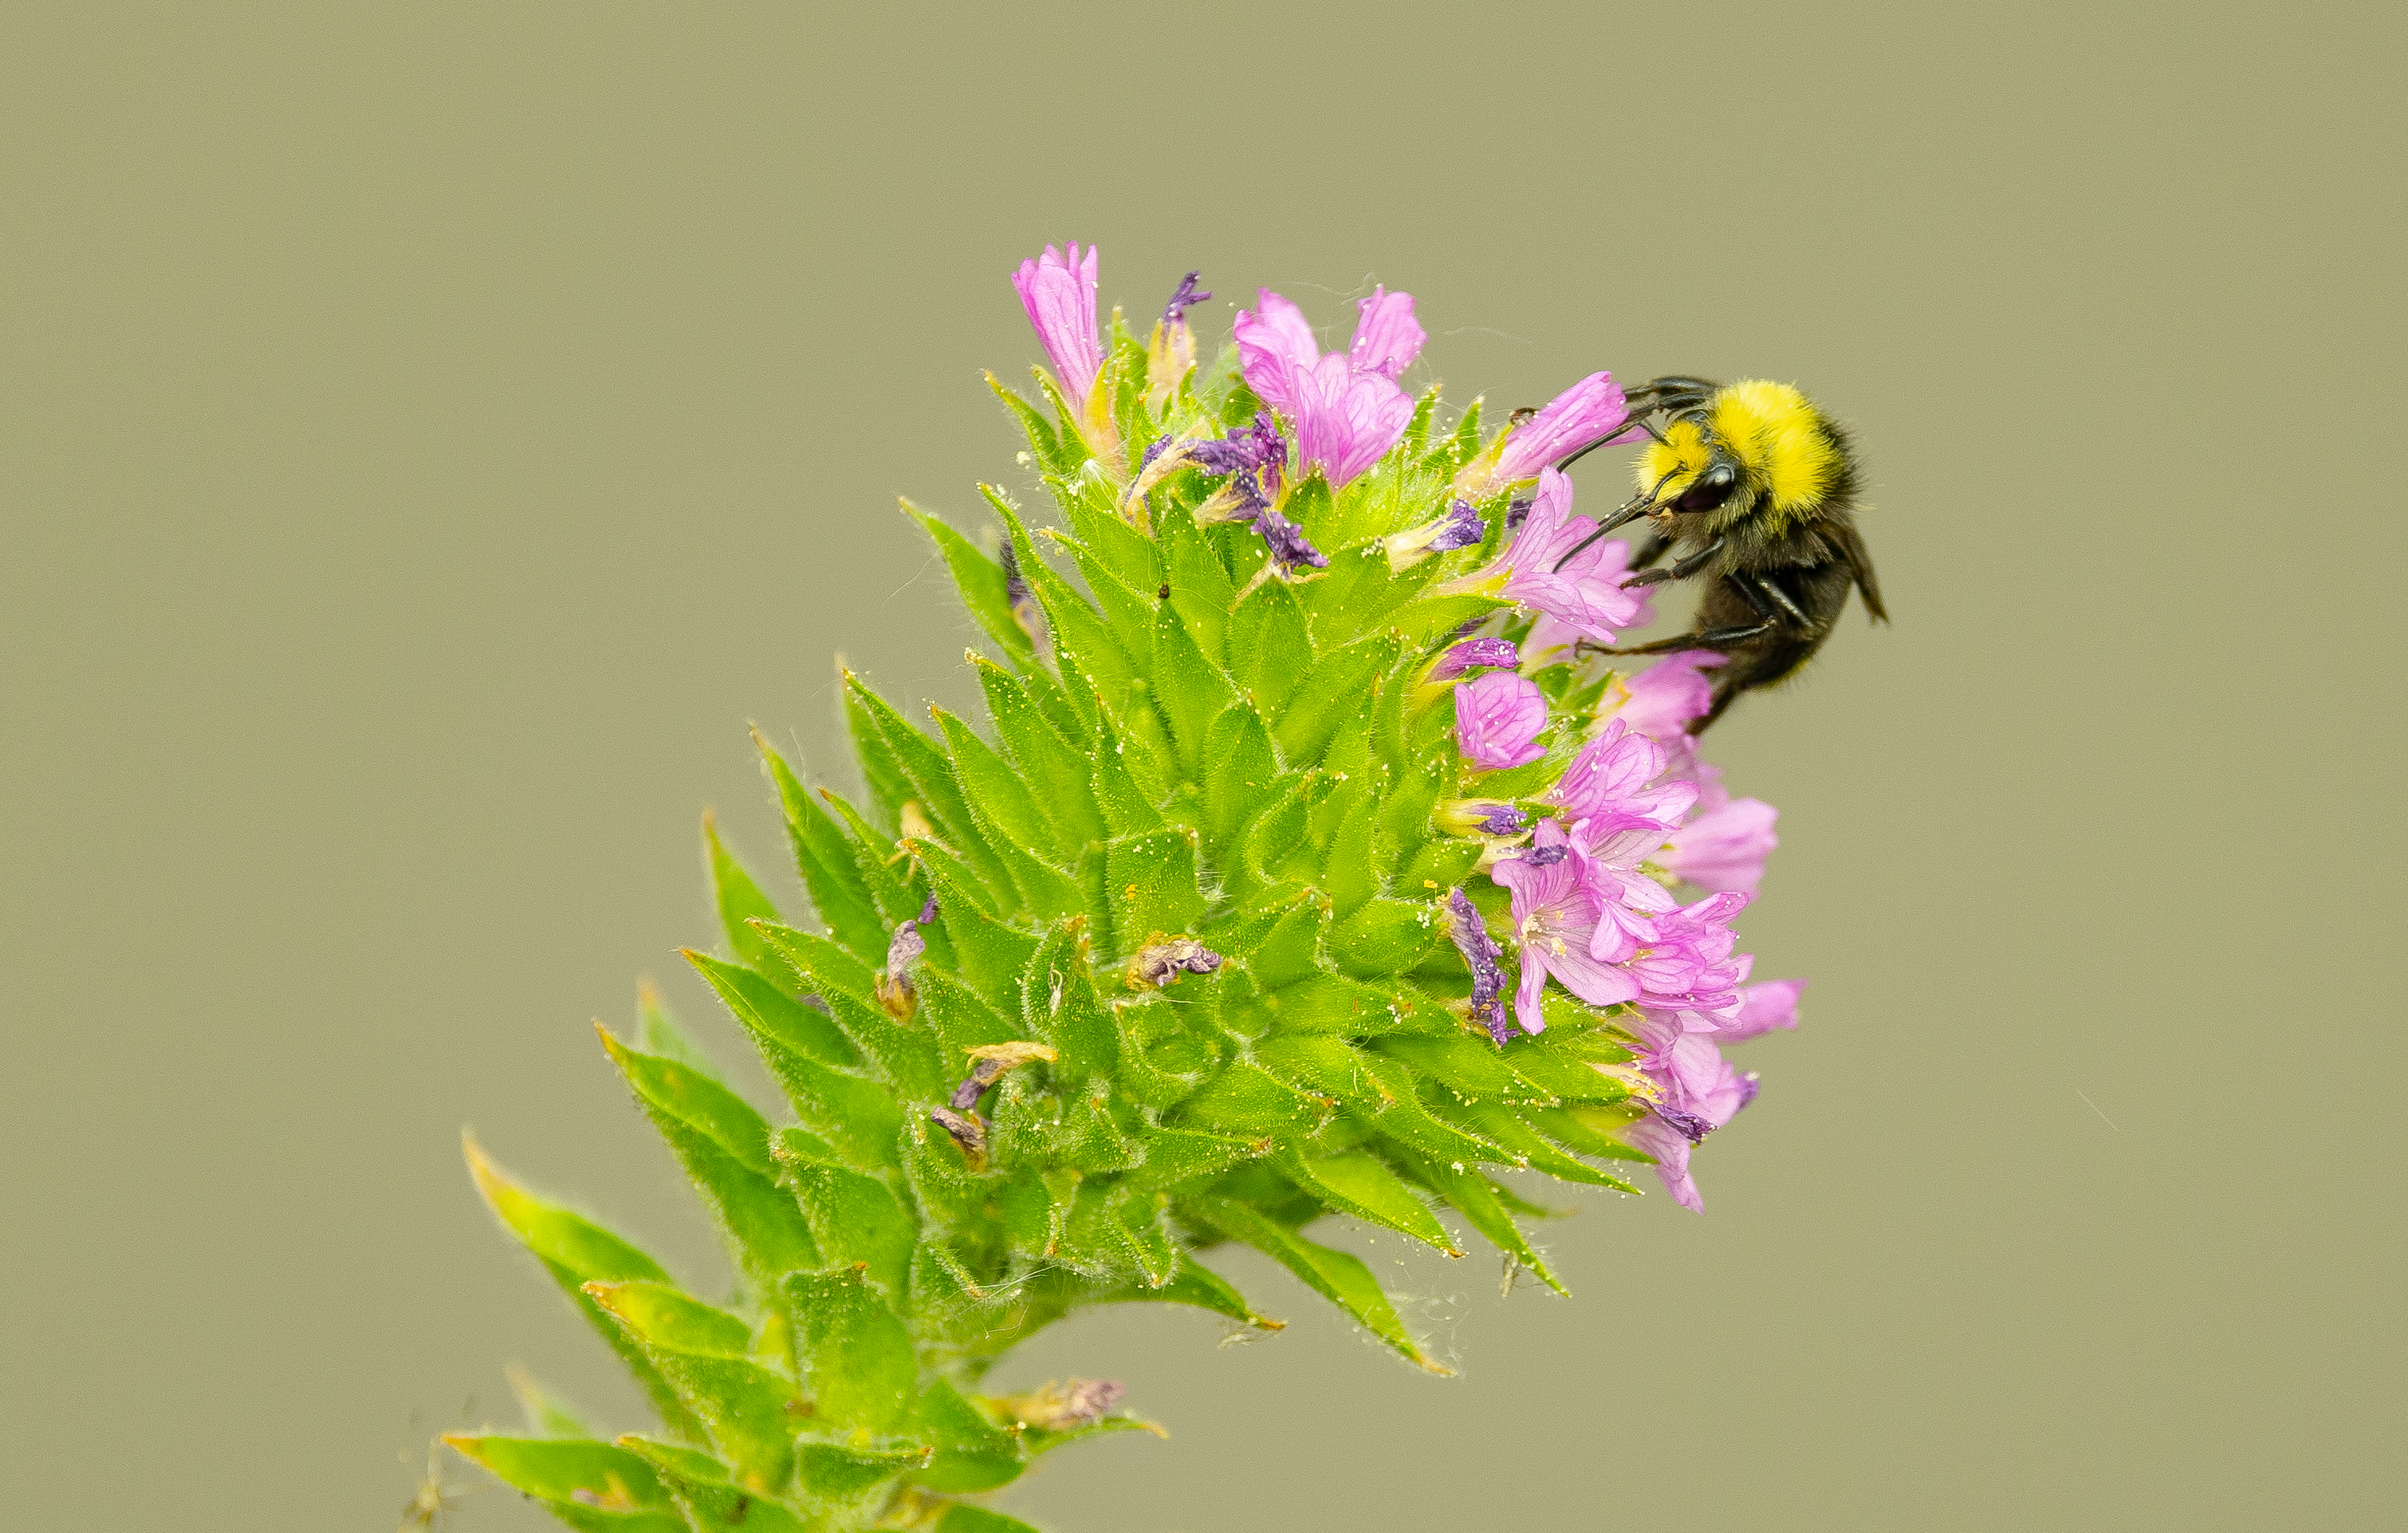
(1754,488)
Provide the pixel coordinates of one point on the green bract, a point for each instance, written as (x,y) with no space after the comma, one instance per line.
(1184,745)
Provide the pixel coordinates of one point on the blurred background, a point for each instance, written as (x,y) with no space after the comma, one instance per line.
(431,433)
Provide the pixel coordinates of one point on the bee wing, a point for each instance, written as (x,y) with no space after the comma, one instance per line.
(1860,564)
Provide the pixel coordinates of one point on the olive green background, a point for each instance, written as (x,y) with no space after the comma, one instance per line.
(432,432)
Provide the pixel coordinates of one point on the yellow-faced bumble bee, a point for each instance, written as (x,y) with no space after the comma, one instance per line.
(1754,488)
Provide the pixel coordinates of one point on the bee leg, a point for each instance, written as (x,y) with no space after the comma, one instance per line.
(1654,549)
(1780,598)
(1715,638)
(1681,571)
(1702,639)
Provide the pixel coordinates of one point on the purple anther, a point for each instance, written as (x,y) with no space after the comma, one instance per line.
(1480,954)
(1465,527)
(1506,821)
(1175,311)
(1287,541)
(1472,653)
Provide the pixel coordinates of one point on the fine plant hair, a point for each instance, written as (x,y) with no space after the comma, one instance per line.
(1208,930)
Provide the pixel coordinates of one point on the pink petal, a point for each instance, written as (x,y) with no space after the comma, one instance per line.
(1387,337)
(1724,848)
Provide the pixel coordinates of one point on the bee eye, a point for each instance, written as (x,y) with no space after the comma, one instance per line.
(1711,489)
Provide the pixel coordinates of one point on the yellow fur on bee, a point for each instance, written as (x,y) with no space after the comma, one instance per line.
(1769,428)
(1666,467)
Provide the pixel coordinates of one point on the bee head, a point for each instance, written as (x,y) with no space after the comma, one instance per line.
(1692,470)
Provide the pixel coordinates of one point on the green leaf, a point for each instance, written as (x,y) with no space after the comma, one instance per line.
(973,1453)
(881,773)
(1182,1160)
(585,1485)
(855,1114)
(576,1251)
(1055,771)
(906,1055)
(1270,646)
(1472,1196)
(1323,1003)
(999,794)
(1246,1101)
(1586,1130)
(1128,807)
(764,1011)
(1043,441)
(1333,692)
(748,1412)
(841,1477)
(1385,937)
(981,580)
(1336,1276)
(1129,556)
(853,1351)
(1291,949)
(1241,770)
(1152,882)
(1475,1068)
(1064,1011)
(1496,1122)
(724,1147)
(740,901)
(964,1518)
(1352,876)
(657,1033)
(1127,609)
(854,1217)
(823,858)
(959,1015)
(1189,688)
(890,892)
(1355,1183)
(1116,1235)
(707,1498)
(548,1415)
(934,785)
(1199,1286)
(1200,587)
(1278,839)
(1554,1072)
(991,953)
(1409,1122)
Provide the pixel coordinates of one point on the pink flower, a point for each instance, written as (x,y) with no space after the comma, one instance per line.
(1727,840)
(1275,343)
(1060,297)
(1663,698)
(1613,773)
(1387,337)
(1612,846)
(1590,411)
(1583,416)
(1688,965)
(1555,923)
(1762,1008)
(1347,409)
(1586,596)
(1698,1092)
(1346,421)
(1724,847)
(1497,721)
(1670,1150)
